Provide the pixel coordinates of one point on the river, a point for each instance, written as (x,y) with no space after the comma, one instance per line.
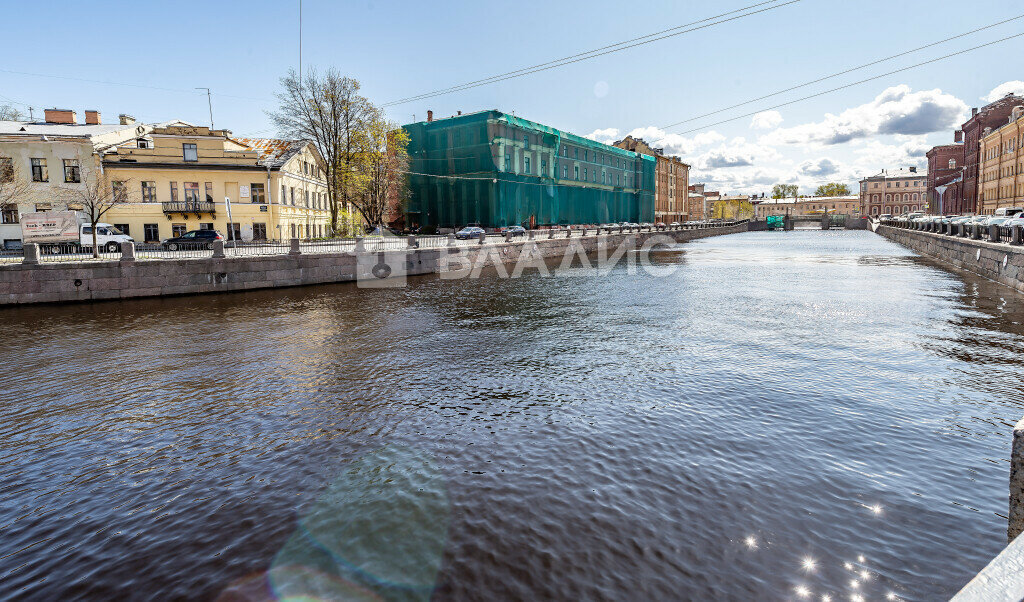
(786,414)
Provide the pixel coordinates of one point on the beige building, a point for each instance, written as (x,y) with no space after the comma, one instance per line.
(840,205)
(671,181)
(894,193)
(184,177)
(53,157)
(1002,165)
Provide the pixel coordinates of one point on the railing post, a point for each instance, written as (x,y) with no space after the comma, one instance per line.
(218,249)
(1015,235)
(977,232)
(551,232)
(482,237)
(508,236)
(359,248)
(568,233)
(127,252)
(412,242)
(529,234)
(451,240)
(993,233)
(31,253)
(295,250)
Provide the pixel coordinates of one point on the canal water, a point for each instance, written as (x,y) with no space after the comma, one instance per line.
(787,414)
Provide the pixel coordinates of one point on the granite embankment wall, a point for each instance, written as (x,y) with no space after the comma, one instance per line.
(22,283)
(1000,262)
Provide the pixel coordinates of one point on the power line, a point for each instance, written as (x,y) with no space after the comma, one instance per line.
(583,56)
(850,85)
(850,70)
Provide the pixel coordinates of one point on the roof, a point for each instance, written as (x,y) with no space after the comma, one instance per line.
(30,128)
(272,151)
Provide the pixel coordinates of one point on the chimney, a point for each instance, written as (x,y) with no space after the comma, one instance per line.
(913,170)
(92,117)
(958,136)
(974,111)
(460,112)
(430,116)
(126,119)
(65,116)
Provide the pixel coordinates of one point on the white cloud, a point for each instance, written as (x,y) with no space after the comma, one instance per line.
(606,136)
(820,168)
(766,120)
(897,110)
(873,156)
(1014,87)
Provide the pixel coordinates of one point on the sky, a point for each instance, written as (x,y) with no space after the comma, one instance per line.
(143,59)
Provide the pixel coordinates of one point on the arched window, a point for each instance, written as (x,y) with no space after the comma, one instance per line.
(914,196)
(888,198)
(906,197)
(906,209)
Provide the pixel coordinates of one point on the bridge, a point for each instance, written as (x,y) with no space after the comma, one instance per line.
(823,221)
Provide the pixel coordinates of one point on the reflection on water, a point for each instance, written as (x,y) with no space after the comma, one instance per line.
(816,415)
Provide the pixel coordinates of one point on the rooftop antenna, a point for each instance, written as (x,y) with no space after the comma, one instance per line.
(30,117)
(300,43)
(209,103)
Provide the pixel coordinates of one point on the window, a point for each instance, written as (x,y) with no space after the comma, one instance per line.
(9,215)
(143,143)
(120,192)
(189,152)
(259,195)
(526,143)
(191,192)
(584,174)
(543,167)
(576,171)
(952,163)
(209,192)
(576,153)
(292,189)
(307,199)
(206,226)
(565,151)
(284,195)
(72,172)
(526,165)
(565,172)
(259,231)
(234,231)
(179,229)
(40,207)
(149,192)
(6,169)
(39,173)
(123,228)
(151,232)
(174,192)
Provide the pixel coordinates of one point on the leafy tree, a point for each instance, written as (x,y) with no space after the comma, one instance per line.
(384,167)
(832,189)
(14,185)
(328,110)
(782,191)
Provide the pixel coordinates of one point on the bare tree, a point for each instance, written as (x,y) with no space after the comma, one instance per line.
(95,196)
(328,110)
(9,113)
(384,168)
(13,186)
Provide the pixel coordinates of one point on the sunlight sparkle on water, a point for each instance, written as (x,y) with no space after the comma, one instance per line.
(751,541)
(803,591)
(826,598)
(864,575)
(809,563)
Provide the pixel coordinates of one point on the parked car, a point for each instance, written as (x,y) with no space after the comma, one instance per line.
(674,224)
(193,239)
(469,232)
(659,225)
(885,216)
(516,230)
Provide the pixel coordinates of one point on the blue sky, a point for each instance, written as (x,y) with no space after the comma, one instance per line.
(402,48)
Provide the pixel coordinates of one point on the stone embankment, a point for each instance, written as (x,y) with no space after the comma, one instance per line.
(994,252)
(128,277)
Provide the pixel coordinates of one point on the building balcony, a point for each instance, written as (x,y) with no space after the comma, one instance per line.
(185,207)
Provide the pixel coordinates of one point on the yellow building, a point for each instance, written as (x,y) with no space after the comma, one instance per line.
(183,177)
(1002,165)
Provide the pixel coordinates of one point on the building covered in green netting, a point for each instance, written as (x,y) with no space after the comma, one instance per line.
(494,169)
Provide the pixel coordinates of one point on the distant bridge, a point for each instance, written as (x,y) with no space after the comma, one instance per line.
(823,221)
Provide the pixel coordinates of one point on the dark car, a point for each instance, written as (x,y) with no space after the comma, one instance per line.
(516,230)
(193,239)
(468,232)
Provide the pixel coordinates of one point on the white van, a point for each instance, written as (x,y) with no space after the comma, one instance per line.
(1008,211)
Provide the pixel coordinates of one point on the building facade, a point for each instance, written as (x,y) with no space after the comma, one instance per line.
(671,181)
(992,116)
(844,205)
(52,159)
(894,193)
(697,208)
(495,170)
(1002,164)
(945,193)
(182,177)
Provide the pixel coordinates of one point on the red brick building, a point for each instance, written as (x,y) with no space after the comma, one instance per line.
(945,193)
(671,181)
(993,115)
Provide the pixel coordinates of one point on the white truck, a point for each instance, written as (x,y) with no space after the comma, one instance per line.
(67,232)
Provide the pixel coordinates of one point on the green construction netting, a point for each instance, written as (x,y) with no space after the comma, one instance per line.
(482,193)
